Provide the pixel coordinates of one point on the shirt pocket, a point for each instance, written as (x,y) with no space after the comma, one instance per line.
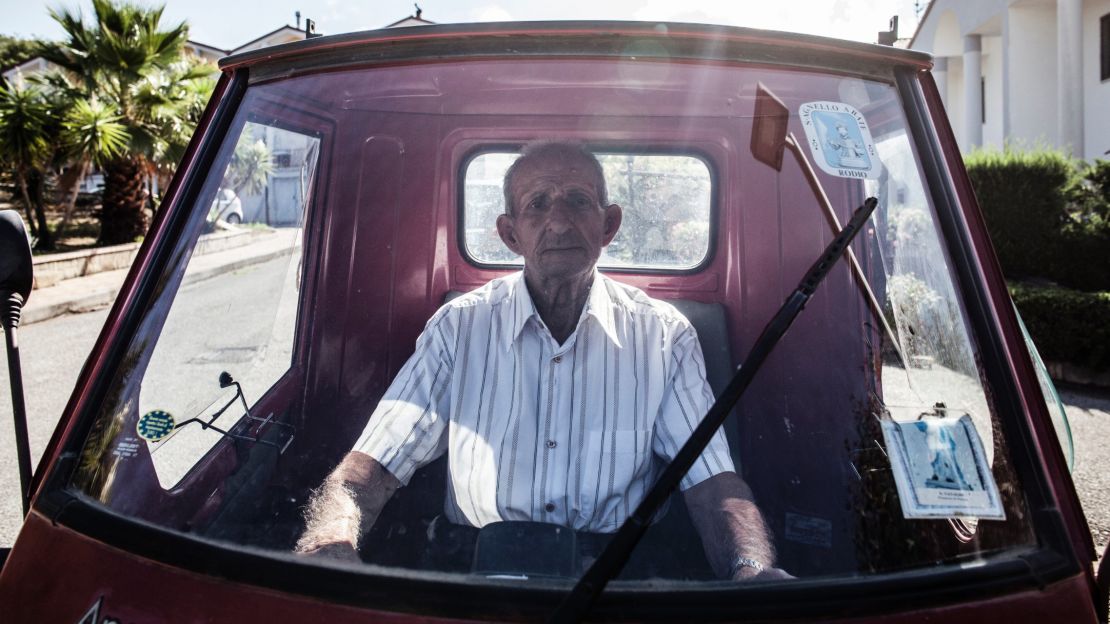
(616,469)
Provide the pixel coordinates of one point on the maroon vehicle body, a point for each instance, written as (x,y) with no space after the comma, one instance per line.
(394,120)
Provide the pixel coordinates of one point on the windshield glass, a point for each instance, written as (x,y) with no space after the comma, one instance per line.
(297,348)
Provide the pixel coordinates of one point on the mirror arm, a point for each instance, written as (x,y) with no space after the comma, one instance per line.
(791,143)
(226,380)
(11,310)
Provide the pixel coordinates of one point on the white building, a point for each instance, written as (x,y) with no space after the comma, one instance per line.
(1026,72)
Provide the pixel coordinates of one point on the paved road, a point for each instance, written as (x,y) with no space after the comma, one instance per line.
(1089,416)
(53,352)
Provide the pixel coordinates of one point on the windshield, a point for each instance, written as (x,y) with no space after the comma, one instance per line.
(345,208)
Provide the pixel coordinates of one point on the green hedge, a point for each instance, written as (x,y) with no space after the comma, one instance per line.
(1066,325)
(1048,216)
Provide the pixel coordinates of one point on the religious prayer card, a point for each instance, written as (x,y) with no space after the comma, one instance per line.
(940,468)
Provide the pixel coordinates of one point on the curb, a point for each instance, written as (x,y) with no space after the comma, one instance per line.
(106,296)
(52,268)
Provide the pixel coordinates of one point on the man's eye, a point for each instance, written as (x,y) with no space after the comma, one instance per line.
(538,203)
(580,201)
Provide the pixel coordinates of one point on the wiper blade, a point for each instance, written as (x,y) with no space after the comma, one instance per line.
(612,560)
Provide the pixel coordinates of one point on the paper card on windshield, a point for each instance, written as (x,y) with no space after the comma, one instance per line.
(840,140)
(940,469)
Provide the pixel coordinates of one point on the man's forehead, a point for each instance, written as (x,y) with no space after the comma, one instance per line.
(552,167)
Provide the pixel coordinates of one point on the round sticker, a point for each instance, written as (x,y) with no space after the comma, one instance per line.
(154,425)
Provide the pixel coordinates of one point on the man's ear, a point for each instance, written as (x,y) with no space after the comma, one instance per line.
(506,229)
(613,217)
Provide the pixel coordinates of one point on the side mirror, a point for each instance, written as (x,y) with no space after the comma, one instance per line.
(15,258)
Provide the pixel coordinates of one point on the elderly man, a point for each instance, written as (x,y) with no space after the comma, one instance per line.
(553,391)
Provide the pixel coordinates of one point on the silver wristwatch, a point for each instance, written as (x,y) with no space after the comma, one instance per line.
(744,562)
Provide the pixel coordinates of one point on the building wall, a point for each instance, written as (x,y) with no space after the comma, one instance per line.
(954,105)
(1019,63)
(1096,101)
(17,76)
(1032,49)
(971,14)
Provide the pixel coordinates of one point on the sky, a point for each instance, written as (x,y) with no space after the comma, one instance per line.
(228,24)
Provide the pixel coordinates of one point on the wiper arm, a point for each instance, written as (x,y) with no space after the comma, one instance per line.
(612,560)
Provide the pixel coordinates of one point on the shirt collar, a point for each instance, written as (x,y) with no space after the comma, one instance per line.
(599,305)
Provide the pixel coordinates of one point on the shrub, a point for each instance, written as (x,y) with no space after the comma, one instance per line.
(1047,215)
(1024,204)
(1098,174)
(1066,325)
(1081,259)
(1090,197)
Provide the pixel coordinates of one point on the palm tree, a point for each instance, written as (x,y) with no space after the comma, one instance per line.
(125,61)
(25,146)
(176,98)
(251,166)
(91,134)
(82,132)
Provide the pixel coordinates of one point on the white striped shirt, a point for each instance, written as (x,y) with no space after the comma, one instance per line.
(534,430)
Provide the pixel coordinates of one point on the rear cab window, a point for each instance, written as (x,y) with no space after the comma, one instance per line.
(667,202)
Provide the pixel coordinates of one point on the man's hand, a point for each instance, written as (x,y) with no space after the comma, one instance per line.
(344,508)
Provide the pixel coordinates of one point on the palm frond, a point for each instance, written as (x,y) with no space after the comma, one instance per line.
(24,117)
(93,132)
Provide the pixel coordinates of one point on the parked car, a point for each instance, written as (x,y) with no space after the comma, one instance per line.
(896,437)
(226,207)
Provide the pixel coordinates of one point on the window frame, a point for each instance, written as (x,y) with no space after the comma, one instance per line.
(646,149)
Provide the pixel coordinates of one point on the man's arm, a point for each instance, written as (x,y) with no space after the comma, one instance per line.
(344,508)
(731,527)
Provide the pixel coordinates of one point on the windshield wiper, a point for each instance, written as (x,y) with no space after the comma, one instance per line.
(612,560)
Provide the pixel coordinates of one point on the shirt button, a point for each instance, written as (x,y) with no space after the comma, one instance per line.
(558,358)
(550,507)
(552,444)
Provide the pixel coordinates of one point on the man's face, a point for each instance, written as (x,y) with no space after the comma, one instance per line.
(558,223)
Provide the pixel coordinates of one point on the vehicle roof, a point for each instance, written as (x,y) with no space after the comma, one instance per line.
(573,38)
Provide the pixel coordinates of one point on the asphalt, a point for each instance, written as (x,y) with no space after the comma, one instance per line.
(94,291)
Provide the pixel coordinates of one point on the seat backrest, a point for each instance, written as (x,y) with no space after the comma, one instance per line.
(708,320)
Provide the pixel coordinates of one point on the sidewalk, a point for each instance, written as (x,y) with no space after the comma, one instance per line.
(89,292)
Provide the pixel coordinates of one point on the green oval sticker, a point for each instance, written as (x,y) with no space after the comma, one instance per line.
(154,425)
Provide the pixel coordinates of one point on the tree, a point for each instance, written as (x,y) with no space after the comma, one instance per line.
(178,96)
(25,146)
(251,166)
(127,63)
(14,51)
(91,134)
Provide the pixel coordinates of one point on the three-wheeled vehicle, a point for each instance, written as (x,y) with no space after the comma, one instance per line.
(897,437)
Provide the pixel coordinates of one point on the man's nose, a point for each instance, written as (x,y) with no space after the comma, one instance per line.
(561,216)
